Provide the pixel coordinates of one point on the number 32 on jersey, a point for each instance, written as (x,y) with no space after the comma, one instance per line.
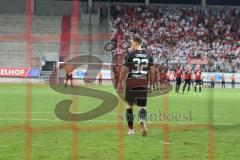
(141,66)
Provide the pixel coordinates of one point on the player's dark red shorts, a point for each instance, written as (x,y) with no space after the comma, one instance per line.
(136,93)
(178,80)
(198,82)
(136,96)
(187,82)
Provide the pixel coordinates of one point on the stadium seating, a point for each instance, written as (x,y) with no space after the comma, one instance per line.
(12,25)
(180,33)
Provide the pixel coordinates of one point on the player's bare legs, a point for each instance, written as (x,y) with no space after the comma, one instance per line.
(184,86)
(199,88)
(154,87)
(130,118)
(71,83)
(143,118)
(66,81)
(189,87)
(177,88)
(157,85)
(195,88)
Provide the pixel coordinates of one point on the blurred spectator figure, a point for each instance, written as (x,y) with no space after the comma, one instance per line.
(233,80)
(223,81)
(181,33)
(100,78)
(213,81)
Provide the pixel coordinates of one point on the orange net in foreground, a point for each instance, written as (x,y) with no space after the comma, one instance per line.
(30,130)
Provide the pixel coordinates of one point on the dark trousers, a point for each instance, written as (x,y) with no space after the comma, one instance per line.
(223,84)
(212,84)
(99,81)
(233,84)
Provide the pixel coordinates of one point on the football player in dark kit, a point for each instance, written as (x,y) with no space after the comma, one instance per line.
(69,77)
(178,75)
(137,67)
(187,78)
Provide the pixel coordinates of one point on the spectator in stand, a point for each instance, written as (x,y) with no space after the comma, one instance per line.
(179,33)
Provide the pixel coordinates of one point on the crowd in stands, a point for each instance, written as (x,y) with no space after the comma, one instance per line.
(178,34)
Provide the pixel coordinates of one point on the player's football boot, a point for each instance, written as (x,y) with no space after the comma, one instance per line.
(130,132)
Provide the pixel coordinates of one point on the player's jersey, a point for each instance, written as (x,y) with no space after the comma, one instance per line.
(138,63)
(178,73)
(187,74)
(198,74)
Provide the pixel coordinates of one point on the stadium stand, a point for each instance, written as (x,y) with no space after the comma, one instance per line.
(65,38)
(179,34)
(11,50)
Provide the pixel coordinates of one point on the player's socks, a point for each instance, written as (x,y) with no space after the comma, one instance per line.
(143,117)
(142,114)
(129,117)
(65,85)
(200,89)
(188,88)
(130,132)
(195,89)
(178,88)
(183,88)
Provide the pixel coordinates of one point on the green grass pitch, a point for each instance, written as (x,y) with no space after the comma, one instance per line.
(185,144)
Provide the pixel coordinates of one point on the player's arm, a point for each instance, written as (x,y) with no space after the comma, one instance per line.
(151,68)
(175,74)
(124,71)
(152,72)
(155,74)
(158,75)
(123,74)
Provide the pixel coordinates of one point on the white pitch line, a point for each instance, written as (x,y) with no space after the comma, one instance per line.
(116,113)
(120,121)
